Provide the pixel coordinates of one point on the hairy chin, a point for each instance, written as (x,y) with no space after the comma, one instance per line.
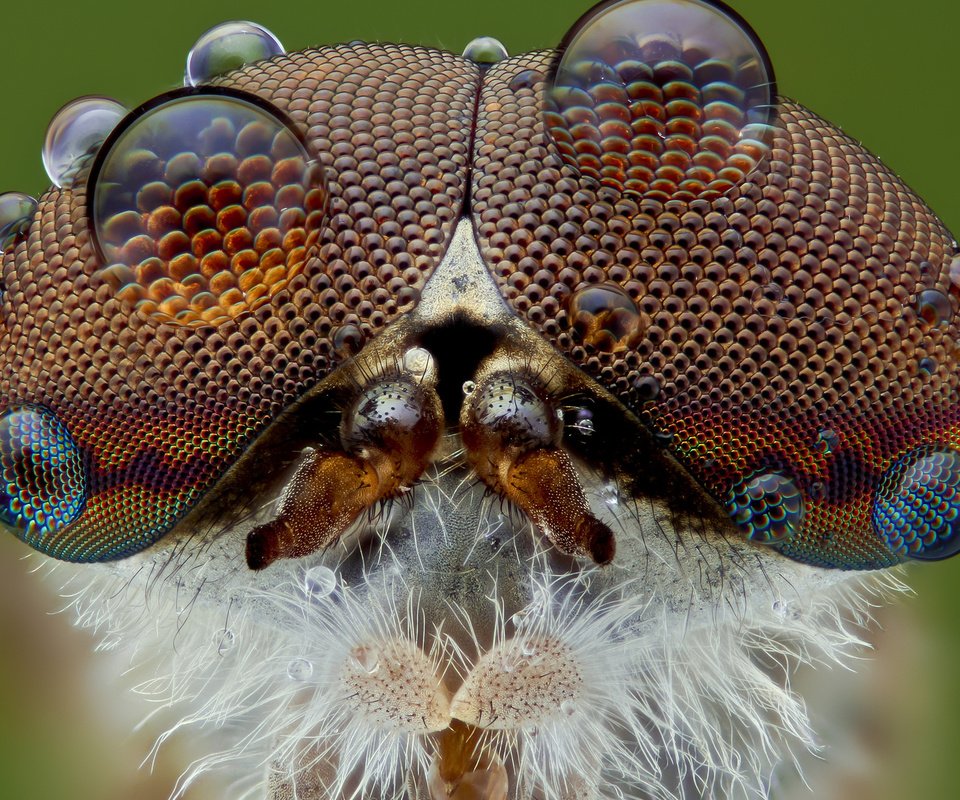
(442,651)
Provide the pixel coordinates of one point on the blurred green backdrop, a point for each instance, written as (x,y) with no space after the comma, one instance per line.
(886,71)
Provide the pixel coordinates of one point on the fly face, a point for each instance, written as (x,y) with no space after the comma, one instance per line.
(476,424)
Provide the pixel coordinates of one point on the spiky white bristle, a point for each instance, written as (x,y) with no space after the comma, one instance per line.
(578,694)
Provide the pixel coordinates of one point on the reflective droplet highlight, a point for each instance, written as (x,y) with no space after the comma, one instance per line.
(768,508)
(43,485)
(917,506)
(933,307)
(647,388)
(204,207)
(365,658)
(16,212)
(827,441)
(485,50)
(300,669)
(583,422)
(525,79)
(228,46)
(927,366)
(668,99)
(76,131)
(224,640)
(604,318)
(319,582)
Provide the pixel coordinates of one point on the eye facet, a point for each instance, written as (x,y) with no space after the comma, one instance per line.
(204,206)
(42,480)
(662,98)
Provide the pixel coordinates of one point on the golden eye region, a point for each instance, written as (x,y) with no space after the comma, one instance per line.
(205,205)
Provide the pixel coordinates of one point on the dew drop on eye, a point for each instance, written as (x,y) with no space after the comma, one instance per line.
(934,308)
(485,51)
(668,99)
(300,669)
(228,46)
(768,508)
(77,130)
(16,211)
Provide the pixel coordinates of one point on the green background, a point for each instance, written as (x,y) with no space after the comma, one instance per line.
(884,71)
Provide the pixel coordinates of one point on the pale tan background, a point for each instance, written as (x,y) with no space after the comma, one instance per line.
(886,71)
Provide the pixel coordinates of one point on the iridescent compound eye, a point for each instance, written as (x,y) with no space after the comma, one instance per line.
(205,205)
(662,98)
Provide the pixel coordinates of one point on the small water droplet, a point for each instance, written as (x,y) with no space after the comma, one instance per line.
(528,648)
(526,79)
(604,317)
(366,659)
(319,582)
(16,213)
(77,130)
(469,387)
(347,341)
(300,669)
(647,388)
(224,640)
(934,308)
(827,440)
(818,490)
(485,50)
(568,707)
(228,46)
(927,366)
(768,507)
(584,424)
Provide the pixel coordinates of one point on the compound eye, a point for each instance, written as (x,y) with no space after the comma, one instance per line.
(666,99)
(205,204)
(43,486)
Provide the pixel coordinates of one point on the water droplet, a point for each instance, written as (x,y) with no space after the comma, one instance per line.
(583,424)
(526,79)
(77,130)
(43,486)
(568,707)
(528,648)
(224,641)
(485,50)
(933,307)
(917,505)
(927,366)
(204,207)
(669,99)
(300,669)
(953,271)
(419,363)
(365,658)
(319,582)
(16,213)
(768,507)
(604,317)
(228,46)
(647,388)
(818,490)
(347,341)
(469,387)
(827,440)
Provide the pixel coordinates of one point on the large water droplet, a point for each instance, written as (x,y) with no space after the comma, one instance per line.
(76,131)
(16,212)
(662,98)
(485,50)
(605,318)
(205,206)
(300,669)
(934,308)
(228,46)
(917,505)
(43,486)
(319,582)
(768,507)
